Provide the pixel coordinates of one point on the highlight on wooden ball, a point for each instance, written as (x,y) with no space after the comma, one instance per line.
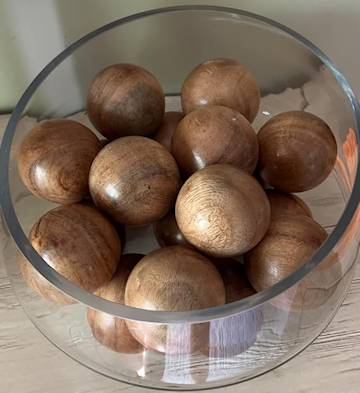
(54,160)
(79,243)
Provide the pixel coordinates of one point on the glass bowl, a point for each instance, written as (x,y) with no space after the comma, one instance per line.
(244,338)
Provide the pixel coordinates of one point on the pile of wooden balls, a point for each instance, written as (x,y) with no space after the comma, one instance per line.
(191,175)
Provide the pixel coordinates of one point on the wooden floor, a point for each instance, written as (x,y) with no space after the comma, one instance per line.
(30,364)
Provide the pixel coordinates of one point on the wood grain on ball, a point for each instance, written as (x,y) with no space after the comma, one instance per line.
(125,99)
(109,330)
(166,131)
(221,82)
(79,243)
(135,180)
(54,160)
(222,211)
(214,135)
(174,278)
(297,151)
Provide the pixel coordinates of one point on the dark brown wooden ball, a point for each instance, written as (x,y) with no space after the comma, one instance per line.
(79,243)
(125,99)
(284,203)
(214,135)
(221,82)
(108,329)
(289,243)
(174,278)
(54,160)
(135,180)
(297,151)
(237,285)
(167,232)
(166,131)
(222,211)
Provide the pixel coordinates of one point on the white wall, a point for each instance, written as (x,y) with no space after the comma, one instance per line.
(33,32)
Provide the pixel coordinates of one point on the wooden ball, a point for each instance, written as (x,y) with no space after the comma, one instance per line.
(297,151)
(222,211)
(214,135)
(283,203)
(54,160)
(221,82)
(237,285)
(109,330)
(233,335)
(135,180)
(289,243)
(41,285)
(125,99)
(174,278)
(166,131)
(79,243)
(167,232)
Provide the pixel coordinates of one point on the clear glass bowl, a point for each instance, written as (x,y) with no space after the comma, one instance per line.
(244,338)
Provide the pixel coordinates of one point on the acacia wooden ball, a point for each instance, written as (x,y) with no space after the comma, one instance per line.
(297,151)
(167,232)
(174,278)
(135,180)
(125,99)
(221,82)
(289,243)
(284,203)
(54,160)
(222,211)
(166,131)
(108,329)
(214,135)
(79,243)
(237,285)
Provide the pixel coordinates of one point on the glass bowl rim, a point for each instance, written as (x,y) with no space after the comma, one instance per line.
(194,316)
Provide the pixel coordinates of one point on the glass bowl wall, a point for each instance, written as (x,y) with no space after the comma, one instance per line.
(242,339)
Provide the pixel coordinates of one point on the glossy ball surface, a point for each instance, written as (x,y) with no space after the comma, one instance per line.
(135,180)
(79,243)
(221,82)
(222,211)
(166,131)
(125,99)
(54,160)
(108,329)
(172,279)
(214,135)
(297,151)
